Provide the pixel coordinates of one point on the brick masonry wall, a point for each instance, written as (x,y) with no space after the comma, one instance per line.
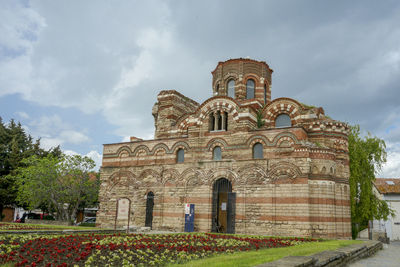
(275,196)
(299,187)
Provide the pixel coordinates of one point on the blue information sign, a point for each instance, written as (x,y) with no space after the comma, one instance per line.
(189,218)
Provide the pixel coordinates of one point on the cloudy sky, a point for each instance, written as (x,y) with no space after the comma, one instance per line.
(85,73)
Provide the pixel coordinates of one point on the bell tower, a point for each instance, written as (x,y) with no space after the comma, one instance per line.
(243,79)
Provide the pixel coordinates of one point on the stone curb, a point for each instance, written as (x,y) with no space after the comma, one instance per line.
(340,257)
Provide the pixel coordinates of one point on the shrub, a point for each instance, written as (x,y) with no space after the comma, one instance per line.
(48,217)
(88,224)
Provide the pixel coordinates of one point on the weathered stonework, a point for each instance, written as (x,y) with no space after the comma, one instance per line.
(299,186)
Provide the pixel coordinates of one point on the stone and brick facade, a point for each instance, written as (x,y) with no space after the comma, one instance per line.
(249,164)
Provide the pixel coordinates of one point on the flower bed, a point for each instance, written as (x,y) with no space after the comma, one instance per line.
(126,250)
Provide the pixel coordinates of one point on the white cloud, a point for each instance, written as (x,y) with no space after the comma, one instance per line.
(19,30)
(76,63)
(70,152)
(53,132)
(48,143)
(22,114)
(47,125)
(113,59)
(126,139)
(379,71)
(94,155)
(391,169)
(393,133)
(73,137)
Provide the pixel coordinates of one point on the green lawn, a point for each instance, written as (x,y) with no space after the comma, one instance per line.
(253,258)
(4,227)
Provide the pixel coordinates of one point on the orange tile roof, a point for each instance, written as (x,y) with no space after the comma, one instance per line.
(387,188)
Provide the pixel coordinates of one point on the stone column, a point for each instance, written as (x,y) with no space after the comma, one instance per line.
(223,121)
(215,120)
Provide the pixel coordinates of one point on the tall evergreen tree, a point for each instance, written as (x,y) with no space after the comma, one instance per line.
(16,145)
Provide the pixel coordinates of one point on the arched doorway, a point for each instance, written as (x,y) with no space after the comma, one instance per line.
(223,207)
(149,209)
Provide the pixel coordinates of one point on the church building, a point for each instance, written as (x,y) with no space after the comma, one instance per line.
(249,164)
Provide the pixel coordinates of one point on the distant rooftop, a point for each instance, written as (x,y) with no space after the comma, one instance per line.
(388,185)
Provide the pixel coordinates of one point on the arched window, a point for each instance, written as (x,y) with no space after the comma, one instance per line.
(217,90)
(180,155)
(226,121)
(258,151)
(231,88)
(250,89)
(217,154)
(219,118)
(212,122)
(265,94)
(218,121)
(283,120)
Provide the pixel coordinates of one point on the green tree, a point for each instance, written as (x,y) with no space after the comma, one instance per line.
(367,155)
(15,145)
(62,184)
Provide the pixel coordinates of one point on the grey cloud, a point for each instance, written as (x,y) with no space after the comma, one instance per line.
(334,54)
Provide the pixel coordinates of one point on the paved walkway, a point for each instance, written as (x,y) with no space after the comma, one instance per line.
(389,256)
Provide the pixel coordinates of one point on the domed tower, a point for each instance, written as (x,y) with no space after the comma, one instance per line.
(243,79)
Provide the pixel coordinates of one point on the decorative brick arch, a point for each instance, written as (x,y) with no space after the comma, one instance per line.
(285,136)
(122,150)
(254,77)
(230,76)
(183,121)
(141,147)
(187,173)
(217,142)
(116,180)
(224,172)
(192,181)
(150,172)
(222,103)
(285,169)
(252,140)
(217,81)
(282,106)
(178,145)
(170,176)
(160,146)
(253,174)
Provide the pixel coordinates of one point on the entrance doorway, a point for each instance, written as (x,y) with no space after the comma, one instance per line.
(149,209)
(223,207)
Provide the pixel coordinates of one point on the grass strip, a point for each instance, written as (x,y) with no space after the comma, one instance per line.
(253,258)
(44,227)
